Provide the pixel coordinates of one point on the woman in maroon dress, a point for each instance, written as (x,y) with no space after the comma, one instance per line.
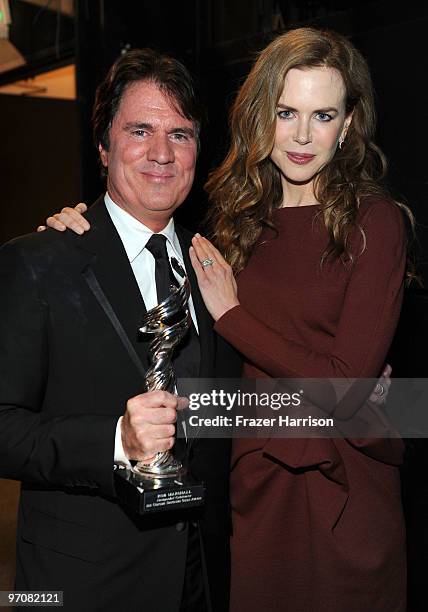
(318,250)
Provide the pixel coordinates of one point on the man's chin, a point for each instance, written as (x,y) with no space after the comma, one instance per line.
(153,214)
(159,200)
(160,207)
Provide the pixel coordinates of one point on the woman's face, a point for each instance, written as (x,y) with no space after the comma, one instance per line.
(311,118)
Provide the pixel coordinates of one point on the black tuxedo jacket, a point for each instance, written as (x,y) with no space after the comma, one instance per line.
(65,377)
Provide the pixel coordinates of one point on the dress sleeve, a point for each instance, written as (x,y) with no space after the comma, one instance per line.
(367,323)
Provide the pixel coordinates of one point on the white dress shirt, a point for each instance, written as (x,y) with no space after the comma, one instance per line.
(134,236)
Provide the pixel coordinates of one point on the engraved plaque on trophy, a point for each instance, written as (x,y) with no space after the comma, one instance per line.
(162,483)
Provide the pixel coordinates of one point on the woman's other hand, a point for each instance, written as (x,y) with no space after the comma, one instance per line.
(215,277)
(70,218)
(380,392)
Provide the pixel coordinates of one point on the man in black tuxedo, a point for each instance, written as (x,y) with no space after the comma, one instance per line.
(72,363)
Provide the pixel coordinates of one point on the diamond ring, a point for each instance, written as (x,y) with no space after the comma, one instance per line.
(379,389)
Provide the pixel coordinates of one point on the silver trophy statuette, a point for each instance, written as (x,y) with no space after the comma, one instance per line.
(167,323)
(163,482)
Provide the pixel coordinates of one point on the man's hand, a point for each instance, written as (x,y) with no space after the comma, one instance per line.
(68,218)
(148,425)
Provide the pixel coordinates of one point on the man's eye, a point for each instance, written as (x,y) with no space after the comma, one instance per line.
(324,117)
(139,133)
(284,114)
(180,136)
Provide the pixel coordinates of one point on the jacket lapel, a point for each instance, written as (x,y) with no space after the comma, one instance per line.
(109,266)
(205,322)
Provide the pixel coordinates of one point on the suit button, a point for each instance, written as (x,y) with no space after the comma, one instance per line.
(181,526)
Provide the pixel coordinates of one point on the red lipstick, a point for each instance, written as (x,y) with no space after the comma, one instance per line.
(299,158)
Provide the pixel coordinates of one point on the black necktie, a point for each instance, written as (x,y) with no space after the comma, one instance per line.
(163,272)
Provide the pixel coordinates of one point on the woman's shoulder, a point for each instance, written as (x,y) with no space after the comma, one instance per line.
(378,212)
(381,227)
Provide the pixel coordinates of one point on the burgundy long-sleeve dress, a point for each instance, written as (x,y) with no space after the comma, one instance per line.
(317,523)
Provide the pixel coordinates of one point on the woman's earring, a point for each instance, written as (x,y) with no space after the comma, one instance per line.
(341,143)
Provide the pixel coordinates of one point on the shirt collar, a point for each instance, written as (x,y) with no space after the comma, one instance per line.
(135,234)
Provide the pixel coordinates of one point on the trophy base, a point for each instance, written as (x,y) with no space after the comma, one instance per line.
(147,494)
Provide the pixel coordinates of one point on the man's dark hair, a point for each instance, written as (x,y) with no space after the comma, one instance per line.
(172,78)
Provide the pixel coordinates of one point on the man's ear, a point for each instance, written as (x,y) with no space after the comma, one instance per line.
(103,155)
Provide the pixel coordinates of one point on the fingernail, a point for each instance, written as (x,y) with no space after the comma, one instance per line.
(197,235)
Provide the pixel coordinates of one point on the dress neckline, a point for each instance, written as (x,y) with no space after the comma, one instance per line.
(305,207)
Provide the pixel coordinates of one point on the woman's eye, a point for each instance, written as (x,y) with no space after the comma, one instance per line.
(324,117)
(284,114)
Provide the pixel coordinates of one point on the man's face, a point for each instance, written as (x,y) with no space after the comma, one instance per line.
(152,155)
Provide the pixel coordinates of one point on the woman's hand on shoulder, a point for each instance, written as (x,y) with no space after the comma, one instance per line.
(215,277)
(71,218)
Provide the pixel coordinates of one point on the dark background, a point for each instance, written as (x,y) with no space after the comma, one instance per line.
(47,159)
